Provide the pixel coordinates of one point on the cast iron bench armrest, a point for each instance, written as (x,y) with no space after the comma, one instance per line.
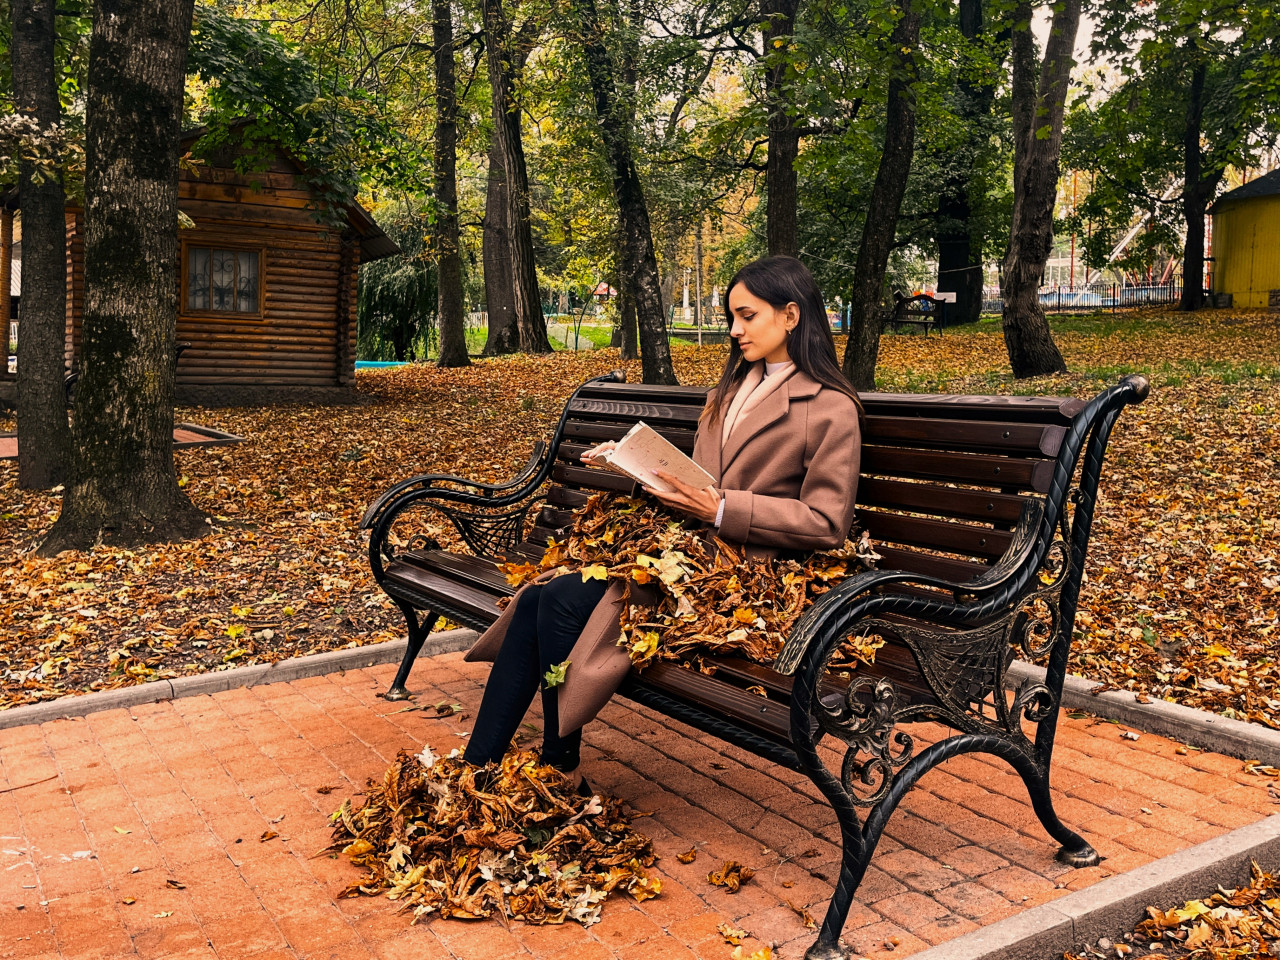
(429,481)
(864,595)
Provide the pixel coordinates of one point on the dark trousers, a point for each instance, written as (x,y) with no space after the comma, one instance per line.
(546,624)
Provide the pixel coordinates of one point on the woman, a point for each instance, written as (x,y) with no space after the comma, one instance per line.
(779,434)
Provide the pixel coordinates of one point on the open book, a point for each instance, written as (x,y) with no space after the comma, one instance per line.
(644,450)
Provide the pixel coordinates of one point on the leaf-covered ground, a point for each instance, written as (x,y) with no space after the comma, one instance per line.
(1229,925)
(1184,578)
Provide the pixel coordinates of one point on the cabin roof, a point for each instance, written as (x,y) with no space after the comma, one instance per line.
(1267,185)
(374,243)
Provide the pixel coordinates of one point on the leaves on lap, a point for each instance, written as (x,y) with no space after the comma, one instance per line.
(710,598)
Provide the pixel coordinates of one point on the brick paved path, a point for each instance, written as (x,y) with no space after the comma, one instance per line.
(166,806)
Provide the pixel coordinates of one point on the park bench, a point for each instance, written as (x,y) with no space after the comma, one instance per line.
(922,311)
(981,509)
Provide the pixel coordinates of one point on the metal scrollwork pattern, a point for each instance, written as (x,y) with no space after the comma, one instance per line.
(864,718)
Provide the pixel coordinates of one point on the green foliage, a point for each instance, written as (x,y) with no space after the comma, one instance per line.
(1131,131)
(397,302)
(261,93)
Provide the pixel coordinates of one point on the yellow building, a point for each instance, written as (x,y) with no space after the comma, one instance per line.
(1246,242)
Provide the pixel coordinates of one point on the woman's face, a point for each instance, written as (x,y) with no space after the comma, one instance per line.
(760,329)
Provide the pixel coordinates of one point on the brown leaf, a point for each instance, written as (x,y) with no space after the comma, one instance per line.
(731,876)
(267,835)
(689,856)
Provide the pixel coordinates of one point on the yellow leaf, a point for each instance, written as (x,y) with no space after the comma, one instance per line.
(764,953)
(1191,909)
(356,848)
(1216,650)
(597,571)
(744,615)
(235,630)
(122,830)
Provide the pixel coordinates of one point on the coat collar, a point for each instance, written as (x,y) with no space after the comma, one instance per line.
(772,409)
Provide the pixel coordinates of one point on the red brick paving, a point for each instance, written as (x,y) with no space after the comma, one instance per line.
(183,791)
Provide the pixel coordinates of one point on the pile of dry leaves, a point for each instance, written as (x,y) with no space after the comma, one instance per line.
(1230,925)
(703,597)
(512,840)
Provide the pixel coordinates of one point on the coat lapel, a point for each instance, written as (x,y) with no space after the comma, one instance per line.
(772,409)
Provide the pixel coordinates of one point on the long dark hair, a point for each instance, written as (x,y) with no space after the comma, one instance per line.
(779,281)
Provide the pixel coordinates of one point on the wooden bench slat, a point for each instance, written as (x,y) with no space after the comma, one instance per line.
(479,573)
(1024,438)
(631,411)
(1007,473)
(948,536)
(1058,410)
(593,433)
(915,561)
(769,717)
(694,396)
(434,584)
(937,500)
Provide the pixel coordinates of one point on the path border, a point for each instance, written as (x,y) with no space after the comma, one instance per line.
(293,668)
(1196,728)
(1112,907)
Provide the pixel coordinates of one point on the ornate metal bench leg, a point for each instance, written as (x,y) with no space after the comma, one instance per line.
(1075,850)
(418,629)
(853,865)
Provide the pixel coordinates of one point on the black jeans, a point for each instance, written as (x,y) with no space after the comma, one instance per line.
(546,624)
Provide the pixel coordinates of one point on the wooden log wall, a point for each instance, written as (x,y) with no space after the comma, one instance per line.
(305,335)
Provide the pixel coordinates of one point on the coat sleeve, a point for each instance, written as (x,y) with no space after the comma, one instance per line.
(822,515)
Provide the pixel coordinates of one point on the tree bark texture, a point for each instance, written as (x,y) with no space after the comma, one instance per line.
(960,242)
(881,227)
(782,232)
(638,265)
(628,332)
(526,303)
(1195,194)
(1037,127)
(125,488)
(449,305)
(503,337)
(44,437)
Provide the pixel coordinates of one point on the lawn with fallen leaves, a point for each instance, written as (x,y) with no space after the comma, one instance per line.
(1183,579)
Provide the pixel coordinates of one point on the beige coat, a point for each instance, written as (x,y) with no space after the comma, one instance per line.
(789,474)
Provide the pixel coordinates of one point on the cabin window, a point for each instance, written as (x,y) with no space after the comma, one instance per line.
(222,281)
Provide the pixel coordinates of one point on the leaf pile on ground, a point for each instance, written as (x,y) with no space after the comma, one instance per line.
(1229,925)
(441,836)
(1184,573)
(704,597)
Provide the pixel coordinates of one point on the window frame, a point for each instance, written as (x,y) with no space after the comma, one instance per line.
(212,245)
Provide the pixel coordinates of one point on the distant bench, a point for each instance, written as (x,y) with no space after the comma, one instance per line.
(922,311)
(981,509)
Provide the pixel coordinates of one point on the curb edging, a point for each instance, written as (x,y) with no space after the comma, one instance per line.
(293,668)
(1197,728)
(1111,907)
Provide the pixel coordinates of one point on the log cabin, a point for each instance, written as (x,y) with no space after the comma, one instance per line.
(267,292)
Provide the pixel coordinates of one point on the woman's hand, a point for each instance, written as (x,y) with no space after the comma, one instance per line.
(703,504)
(598,451)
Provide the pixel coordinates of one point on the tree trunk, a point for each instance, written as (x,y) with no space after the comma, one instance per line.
(125,489)
(44,438)
(628,333)
(960,240)
(526,303)
(1195,198)
(449,306)
(881,225)
(503,337)
(784,140)
(1037,128)
(637,266)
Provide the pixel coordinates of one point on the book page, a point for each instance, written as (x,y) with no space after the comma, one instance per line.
(644,450)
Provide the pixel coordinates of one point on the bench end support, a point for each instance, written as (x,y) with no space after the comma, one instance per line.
(826,950)
(1082,856)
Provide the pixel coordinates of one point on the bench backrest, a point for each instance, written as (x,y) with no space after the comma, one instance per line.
(921,305)
(943,478)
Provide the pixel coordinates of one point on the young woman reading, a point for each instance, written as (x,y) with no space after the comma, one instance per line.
(779,434)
